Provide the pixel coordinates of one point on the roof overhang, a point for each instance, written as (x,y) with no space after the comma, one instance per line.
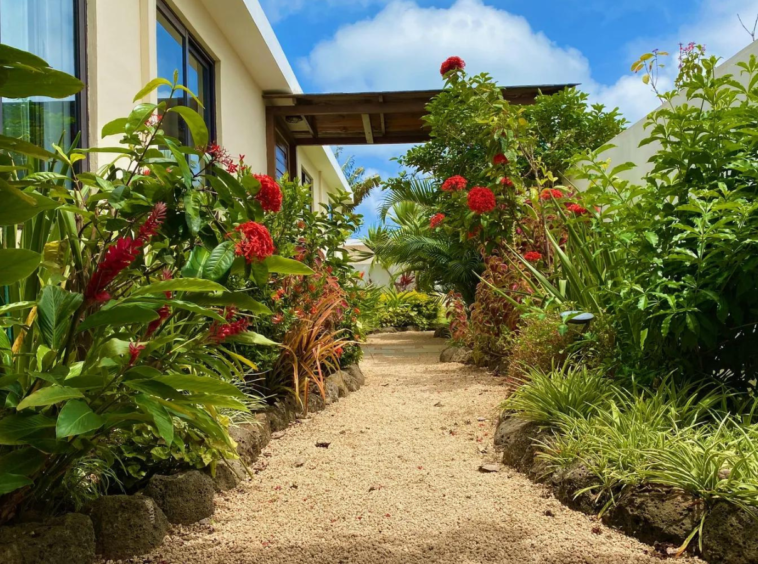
(368,118)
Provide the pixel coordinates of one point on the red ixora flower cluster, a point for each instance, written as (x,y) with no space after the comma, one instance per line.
(500,159)
(576,209)
(436,220)
(121,254)
(270,195)
(533,256)
(481,200)
(453,184)
(219,332)
(452,63)
(256,244)
(548,194)
(507,182)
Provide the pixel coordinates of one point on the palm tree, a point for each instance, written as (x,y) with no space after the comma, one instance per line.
(360,184)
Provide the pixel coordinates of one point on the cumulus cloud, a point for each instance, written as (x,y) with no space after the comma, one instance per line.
(278,10)
(403,45)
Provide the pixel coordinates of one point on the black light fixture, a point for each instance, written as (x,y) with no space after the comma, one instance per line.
(578,319)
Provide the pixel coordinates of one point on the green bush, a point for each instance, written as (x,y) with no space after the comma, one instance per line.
(406,309)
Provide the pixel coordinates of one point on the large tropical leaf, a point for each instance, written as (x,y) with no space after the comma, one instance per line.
(17,264)
(76,418)
(55,308)
(49,396)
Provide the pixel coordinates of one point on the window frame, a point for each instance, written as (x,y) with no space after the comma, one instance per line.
(81,123)
(281,141)
(191,47)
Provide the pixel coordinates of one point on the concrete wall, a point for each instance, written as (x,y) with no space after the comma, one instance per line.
(627,143)
(122,58)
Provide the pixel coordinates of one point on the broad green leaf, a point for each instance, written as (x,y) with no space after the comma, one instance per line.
(22,82)
(150,86)
(115,127)
(23,462)
(161,418)
(200,384)
(118,316)
(12,482)
(195,308)
(240,300)
(14,429)
(252,338)
(219,261)
(9,191)
(195,123)
(17,264)
(49,396)
(154,388)
(216,401)
(55,309)
(137,118)
(76,418)
(180,285)
(17,210)
(281,265)
(13,145)
(194,266)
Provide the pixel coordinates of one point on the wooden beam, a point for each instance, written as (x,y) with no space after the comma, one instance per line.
(361,140)
(382,124)
(367,130)
(363,108)
(270,143)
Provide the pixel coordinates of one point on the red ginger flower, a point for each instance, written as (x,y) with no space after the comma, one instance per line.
(500,159)
(507,182)
(256,244)
(481,200)
(452,63)
(548,194)
(219,332)
(454,183)
(164,312)
(533,256)
(576,209)
(134,352)
(270,195)
(121,254)
(436,220)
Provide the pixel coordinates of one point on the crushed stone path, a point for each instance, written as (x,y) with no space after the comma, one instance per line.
(398,484)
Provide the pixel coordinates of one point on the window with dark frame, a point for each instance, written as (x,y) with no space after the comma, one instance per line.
(307,180)
(180,53)
(54,31)
(282,157)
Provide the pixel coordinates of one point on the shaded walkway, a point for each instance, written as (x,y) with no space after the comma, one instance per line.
(399,483)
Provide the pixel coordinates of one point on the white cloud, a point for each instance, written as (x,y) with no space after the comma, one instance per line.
(403,45)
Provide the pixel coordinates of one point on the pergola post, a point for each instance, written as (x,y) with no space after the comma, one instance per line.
(270,143)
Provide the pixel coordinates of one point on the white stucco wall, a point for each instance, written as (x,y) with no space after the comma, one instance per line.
(627,143)
(122,58)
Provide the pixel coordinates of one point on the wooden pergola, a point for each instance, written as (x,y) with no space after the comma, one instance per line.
(365,118)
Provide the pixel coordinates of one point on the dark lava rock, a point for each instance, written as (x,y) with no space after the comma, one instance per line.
(656,515)
(127,525)
(517,437)
(332,390)
(283,413)
(337,380)
(568,481)
(228,474)
(357,373)
(350,381)
(730,535)
(69,539)
(185,498)
(457,354)
(315,401)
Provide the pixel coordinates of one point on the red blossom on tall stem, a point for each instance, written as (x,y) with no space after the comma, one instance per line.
(454,183)
(452,63)
(481,200)
(436,220)
(500,159)
(548,194)
(270,195)
(576,209)
(256,244)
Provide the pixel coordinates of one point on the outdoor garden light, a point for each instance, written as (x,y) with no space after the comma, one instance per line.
(579,319)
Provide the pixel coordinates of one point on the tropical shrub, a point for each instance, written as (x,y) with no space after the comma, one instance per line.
(117,355)
(406,309)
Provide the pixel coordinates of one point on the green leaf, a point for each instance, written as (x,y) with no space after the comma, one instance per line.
(12,482)
(13,145)
(150,86)
(195,123)
(16,210)
(76,418)
(20,81)
(180,285)
(240,300)
(12,191)
(200,384)
(219,262)
(17,264)
(162,419)
(281,265)
(16,307)
(55,308)
(252,338)
(194,266)
(119,316)
(115,127)
(15,428)
(137,118)
(652,238)
(259,273)
(23,462)
(48,396)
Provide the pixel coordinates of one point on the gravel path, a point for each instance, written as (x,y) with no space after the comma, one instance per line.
(399,483)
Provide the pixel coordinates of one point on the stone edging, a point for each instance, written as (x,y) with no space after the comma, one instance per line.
(123,526)
(662,517)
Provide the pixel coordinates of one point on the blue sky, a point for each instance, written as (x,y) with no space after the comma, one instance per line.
(358,45)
